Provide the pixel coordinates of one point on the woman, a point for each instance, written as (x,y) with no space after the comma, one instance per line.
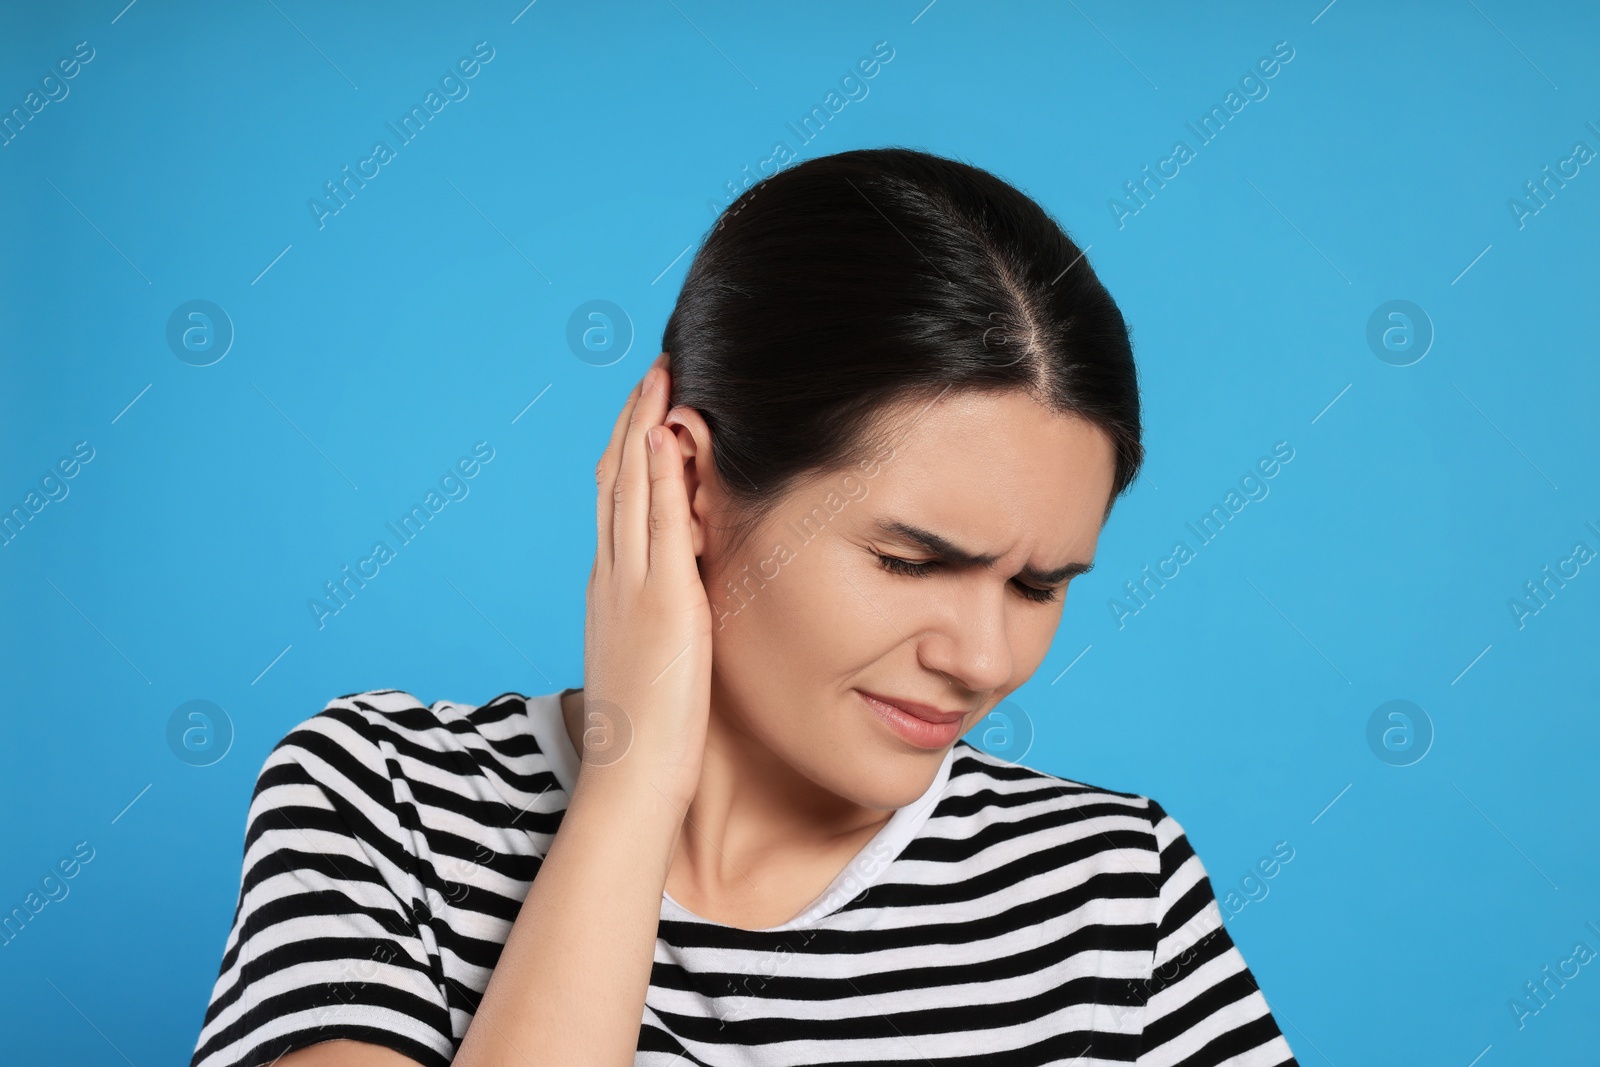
(901,408)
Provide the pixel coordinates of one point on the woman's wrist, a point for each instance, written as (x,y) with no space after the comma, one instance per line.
(630,805)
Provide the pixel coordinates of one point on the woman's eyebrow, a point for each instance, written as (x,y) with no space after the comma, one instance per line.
(948,552)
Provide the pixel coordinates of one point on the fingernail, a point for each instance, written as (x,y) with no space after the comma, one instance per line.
(651,439)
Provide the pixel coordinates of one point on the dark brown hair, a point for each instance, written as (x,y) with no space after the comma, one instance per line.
(845,283)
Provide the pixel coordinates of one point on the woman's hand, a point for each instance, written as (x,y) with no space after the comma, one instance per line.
(571,982)
(647,629)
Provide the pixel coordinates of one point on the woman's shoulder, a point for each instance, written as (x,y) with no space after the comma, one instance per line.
(992,789)
(363,742)
(974,770)
(375,719)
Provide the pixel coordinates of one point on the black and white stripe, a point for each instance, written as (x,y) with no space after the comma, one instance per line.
(1009,916)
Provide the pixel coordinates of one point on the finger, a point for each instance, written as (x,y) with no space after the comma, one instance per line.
(671,535)
(605,476)
(632,494)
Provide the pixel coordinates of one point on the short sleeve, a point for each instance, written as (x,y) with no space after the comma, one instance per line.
(1204,1007)
(324,944)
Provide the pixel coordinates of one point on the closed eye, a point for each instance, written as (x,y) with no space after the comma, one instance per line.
(925,569)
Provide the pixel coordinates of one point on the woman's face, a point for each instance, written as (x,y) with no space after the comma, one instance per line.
(806,616)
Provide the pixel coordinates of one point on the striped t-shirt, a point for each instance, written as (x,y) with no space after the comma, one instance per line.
(1008,916)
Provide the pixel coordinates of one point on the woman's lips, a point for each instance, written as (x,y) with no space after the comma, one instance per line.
(914,728)
(920,710)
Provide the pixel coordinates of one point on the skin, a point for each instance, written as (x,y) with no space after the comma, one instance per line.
(797,774)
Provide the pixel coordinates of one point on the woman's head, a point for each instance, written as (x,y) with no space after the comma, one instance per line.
(870,347)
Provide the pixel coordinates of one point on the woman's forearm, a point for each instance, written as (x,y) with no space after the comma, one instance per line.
(570,985)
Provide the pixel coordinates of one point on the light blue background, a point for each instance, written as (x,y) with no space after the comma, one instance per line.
(585,164)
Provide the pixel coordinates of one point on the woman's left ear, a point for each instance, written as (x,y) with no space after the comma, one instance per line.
(693,438)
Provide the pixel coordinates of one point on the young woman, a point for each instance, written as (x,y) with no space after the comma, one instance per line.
(836,523)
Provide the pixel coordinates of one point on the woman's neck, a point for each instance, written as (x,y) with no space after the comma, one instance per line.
(760,839)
